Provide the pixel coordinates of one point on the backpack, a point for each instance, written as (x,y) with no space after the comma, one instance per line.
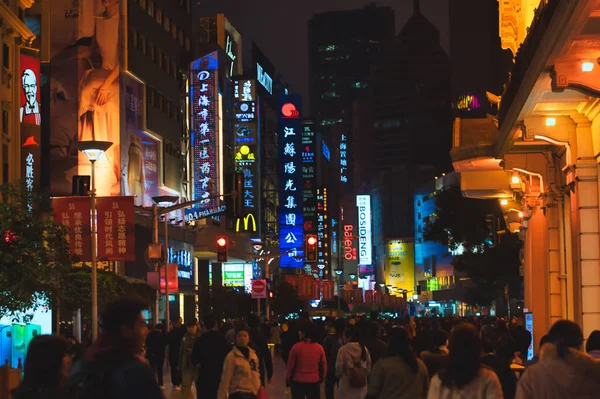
(358,374)
(89,382)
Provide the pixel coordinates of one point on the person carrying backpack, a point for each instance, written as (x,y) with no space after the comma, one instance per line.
(353,366)
(113,368)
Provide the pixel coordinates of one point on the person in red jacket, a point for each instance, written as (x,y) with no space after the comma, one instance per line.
(306,366)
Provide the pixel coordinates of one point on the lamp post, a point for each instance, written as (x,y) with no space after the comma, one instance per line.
(93,149)
(164,201)
(338,273)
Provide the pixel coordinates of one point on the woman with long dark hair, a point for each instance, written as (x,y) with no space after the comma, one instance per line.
(399,375)
(47,368)
(563,370)
(464,376)
(306,366)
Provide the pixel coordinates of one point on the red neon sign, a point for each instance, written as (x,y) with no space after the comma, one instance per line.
(288,110)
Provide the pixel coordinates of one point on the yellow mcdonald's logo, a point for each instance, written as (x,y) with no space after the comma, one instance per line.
(246,220)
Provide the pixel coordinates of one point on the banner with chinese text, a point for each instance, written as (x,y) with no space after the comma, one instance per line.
(116,228)
(74,214)
(328,288)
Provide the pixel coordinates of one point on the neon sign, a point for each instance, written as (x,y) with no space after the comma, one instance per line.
(322,229)
(203,98)
(467,102)
(309,175)
(348,243)
(291,227)
(363,203)
(344,158)
(264,79)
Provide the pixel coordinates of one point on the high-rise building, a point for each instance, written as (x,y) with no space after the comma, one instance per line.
(411,100)
(342,47)
(479,63)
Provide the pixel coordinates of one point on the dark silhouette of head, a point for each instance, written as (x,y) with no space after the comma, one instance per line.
(210,321)
(400,346)
(565,335)
(465,354)
(44,363)
(593,342)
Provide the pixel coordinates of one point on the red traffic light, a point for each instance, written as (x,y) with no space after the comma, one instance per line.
(312,240)
(221,241)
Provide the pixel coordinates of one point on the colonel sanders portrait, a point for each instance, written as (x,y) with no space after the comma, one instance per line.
(30,111)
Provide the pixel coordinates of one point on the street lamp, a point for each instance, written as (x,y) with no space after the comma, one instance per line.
(338,273)
(93,149)
(164,201)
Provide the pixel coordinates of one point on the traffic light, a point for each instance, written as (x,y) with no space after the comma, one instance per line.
(221,249)
(491,238)
(311,248)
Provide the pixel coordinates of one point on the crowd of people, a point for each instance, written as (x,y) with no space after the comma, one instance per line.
(357,358)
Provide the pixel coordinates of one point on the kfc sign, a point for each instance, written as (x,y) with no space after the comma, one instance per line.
(347,242)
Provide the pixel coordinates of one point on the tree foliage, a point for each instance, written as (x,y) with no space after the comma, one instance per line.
(460,222)
(34,252)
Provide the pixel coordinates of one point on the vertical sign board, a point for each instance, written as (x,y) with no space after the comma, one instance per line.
(529,327)
(322,230)
(116,228)
(291,227)
(365,246)
(203,125)
(344,158)
(74,214)
(246,150)
(309,176)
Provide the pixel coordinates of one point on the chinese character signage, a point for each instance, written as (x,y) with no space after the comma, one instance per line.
(344,158)
(203,119)
(246,150)
(291,181)
(309,176)
(74,214)
(323,255)
(116,228)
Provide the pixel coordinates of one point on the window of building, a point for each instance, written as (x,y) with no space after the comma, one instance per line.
(158,100)
(5,121)
(133,38)
(151,8)
(159,57)
(159,16)
(187,43)
(151,51)
(144,46)
(5,56)
(168,108)
(166,64)
(150,93)
(174,31)
(142,3)
(5,163)
(173,70)
(167,23)
(21,14)
(181,40)
(188,6)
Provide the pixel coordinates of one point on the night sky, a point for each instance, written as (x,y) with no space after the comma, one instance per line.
(279,27)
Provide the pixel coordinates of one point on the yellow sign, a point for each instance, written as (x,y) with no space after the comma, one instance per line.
(400,265)
(246,223)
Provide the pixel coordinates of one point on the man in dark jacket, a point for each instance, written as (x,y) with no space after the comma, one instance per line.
(113,367)
(208,355)
(174,338)
(259,343)
(155,351)
(377,348)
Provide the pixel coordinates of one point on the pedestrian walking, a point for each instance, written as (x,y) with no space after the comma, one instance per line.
(275,336)
(464,377)
(377,348)
(241,376)
(208,355)
(259,343)
(399,375)
(188,370)
(307,366)
(332,344)
(563,370)
(49,359)
(155,352)
(174,338)
(352,366)
(112,366)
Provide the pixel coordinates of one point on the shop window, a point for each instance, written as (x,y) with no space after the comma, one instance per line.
(5,163)
(5,56)
(167,24)
(159,16)
(151,8)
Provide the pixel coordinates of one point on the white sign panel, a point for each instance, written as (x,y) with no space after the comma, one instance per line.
(264,79)
(363,203)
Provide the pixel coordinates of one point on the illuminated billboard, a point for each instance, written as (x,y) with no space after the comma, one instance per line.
(323,255)
(309,206)
(29,98)
(246,151)
(139,150)
(365,246)
(291,226)
(203,125)
(85,91)
(400,264)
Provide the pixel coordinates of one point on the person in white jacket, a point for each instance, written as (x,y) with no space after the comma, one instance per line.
(241,376)
(352,355)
